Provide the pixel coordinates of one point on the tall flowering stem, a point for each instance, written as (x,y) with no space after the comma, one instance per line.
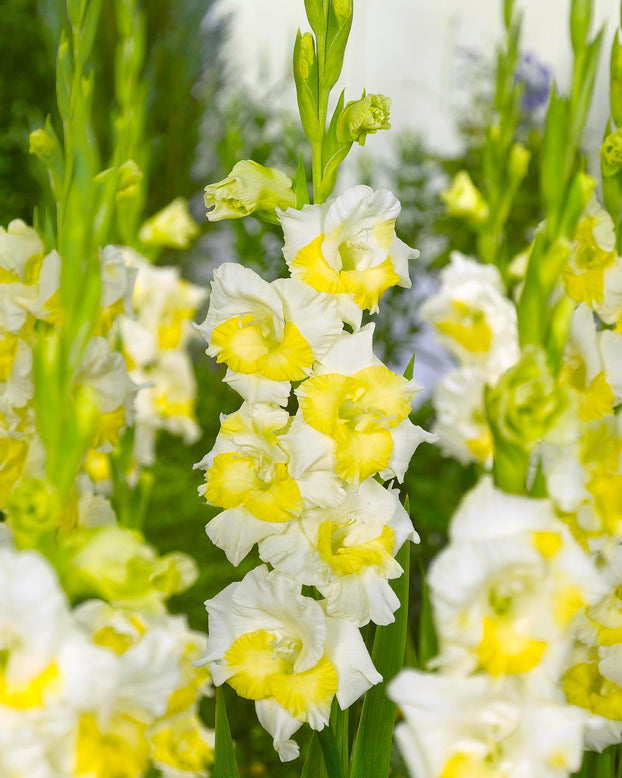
(306,468)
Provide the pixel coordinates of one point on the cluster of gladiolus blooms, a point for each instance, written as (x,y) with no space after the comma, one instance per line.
(527,595)
(298,469)
(107,688)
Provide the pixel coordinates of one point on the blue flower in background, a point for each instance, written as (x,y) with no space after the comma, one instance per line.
(536,76)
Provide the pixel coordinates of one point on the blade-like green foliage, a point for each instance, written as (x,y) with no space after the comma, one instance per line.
(372,749)
(225,765)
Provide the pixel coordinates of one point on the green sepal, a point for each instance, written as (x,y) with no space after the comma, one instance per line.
(333,153)
(408,372)
(580,19)
(299,184)
(307,85)
(88,29)
(508,12)
(316,16)
(557,335)
(372,748)
(64,75)
(611,182)
(337,33)
(225,765)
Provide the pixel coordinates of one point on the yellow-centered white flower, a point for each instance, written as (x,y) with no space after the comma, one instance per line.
(275,331)
(263,476)
(348,246)
(363,407)
(347,552)
(507,589)
(479,728)
(276,647)
(472,316)
(592,366)
(460,424)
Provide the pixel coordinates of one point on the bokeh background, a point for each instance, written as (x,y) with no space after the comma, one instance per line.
(220,90)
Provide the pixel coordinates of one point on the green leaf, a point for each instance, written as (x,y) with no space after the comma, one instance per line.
(553,174)
(300,184)
(372,749)
(330,750)
(580,18)
(314,766)
(225,765)
(428,646)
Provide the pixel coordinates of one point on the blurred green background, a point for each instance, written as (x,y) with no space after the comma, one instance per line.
(198,125)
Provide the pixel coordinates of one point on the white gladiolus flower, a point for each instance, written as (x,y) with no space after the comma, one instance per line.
(34,621)
(460,423)
(262,478)
(276,647)
(274,331)
(363,407)
(21,252)
(592,366)
(348,246)
(479,727)
(509,586)
(472,316)
(593,274)
(347,552)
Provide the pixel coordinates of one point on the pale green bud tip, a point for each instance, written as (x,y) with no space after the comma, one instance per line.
(519,161)
(343,10)
(250,188)
(611,154)
(172,227)
(42,145)
(306,55)
(527,401)
(363,117)
(130,178)
(463,199)
(33,508)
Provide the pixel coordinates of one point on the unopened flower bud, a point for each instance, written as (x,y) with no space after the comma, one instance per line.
(172,227)
(363,117)
(43,145)
(527,401)
(519,161)
(611,154)
(250,188)
(463,199)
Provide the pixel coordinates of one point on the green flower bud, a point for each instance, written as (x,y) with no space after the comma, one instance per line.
(250,188)
(343,11)
(130,178)
(172,227)
(611,154)
(109,562)
(363,117)
(463,199)
(43,145)
(306,56)
(519,161)
(174,573)
(527,401)
(33,510)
